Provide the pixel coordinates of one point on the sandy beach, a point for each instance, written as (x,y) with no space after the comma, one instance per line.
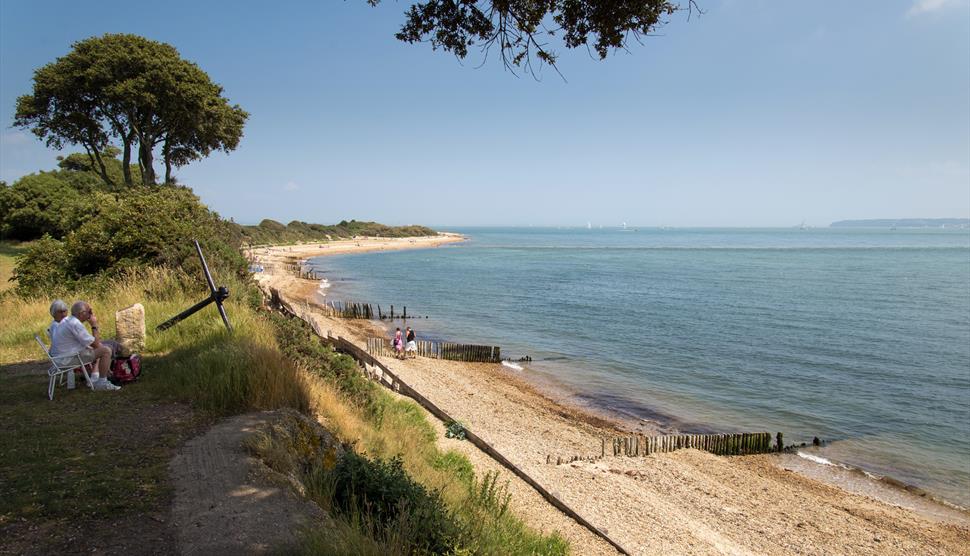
(684,502)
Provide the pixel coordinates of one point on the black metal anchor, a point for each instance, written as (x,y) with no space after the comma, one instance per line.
(216,295)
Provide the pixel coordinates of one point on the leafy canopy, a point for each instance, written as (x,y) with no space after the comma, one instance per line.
(138,92)
(519,28)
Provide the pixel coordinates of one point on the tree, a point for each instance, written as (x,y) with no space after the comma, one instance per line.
(137,91)
(38,204)
(519,27)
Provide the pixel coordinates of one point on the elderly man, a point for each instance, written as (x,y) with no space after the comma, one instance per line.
(70,337)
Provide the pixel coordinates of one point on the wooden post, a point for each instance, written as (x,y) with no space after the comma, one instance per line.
(781,443)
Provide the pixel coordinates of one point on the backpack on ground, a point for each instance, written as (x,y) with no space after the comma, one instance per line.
(125,369)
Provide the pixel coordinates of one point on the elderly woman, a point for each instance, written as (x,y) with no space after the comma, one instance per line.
(58,312)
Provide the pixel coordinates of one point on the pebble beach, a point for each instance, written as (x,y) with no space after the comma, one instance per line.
(683,502)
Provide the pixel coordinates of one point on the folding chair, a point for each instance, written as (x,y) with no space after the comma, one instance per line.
(69,364)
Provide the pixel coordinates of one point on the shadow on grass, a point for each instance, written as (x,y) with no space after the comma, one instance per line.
(88,470)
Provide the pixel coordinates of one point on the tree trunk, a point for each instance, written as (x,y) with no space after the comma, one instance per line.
(145,157)
(168,163)
(126,159)
(96,159)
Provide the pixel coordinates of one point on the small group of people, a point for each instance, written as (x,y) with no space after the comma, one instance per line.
(69,336)
(405,346)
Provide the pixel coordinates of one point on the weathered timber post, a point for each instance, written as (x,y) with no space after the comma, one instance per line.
(781,443)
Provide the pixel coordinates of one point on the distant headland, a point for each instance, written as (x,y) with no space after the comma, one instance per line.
(904,223)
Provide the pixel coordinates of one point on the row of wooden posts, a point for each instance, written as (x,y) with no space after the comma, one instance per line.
(440,350)
(350,310)
(737,444)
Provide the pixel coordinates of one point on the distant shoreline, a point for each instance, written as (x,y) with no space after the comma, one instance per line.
(957,223)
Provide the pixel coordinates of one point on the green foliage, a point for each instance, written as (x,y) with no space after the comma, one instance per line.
(131,229)
(138,92)
(521,28)
(271,231)
(54,202)
(38,204)
(456,464)
(298,342)
(455,430)
(385,493)
(42,268)
(81,164)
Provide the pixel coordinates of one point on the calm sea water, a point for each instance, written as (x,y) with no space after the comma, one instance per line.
(859,337)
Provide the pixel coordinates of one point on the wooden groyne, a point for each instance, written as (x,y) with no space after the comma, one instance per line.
(350,310)
(355,310)
(737,444)
(440,350)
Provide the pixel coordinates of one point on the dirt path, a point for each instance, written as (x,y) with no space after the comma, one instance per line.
(228,502)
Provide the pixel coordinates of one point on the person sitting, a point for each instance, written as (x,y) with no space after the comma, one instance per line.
(58,313)
(70,337)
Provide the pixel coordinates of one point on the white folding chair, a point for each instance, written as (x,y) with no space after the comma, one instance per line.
(67,364)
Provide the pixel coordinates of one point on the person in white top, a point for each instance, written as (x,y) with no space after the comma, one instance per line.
(58,313)
(70,336)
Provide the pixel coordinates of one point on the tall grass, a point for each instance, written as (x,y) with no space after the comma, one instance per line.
(384,427)
(8,253)
(196,361)
(271,362)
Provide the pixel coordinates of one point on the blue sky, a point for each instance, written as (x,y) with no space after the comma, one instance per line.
(758,113)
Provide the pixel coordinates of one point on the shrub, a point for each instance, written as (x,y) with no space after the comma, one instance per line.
(38,204)
(42,268)
(133,229)
(381,490)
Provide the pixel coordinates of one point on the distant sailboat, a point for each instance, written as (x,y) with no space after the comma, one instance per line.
(589,225)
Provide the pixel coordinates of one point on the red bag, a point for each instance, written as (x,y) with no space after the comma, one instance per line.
(125,369)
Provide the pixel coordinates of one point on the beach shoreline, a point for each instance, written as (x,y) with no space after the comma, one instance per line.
(528,426)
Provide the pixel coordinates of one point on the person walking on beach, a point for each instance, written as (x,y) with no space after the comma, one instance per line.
(411,350)
(398,344)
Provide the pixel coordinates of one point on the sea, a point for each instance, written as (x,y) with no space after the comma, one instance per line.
(857,337)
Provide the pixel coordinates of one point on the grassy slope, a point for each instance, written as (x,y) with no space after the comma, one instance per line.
(8,251)
(91,469)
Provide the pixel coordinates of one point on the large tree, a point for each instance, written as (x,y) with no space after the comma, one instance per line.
(520,29)
(138,92)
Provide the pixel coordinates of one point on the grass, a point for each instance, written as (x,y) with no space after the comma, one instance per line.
(384,427)
(105,456)
(90,471)
(74,458)
(8,253)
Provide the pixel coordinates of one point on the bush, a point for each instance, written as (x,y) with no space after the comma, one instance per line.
(38,204)
(298,342)
(132,229)
(41,268)
(383,493)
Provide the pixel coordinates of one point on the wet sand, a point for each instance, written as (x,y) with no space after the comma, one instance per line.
(685,502)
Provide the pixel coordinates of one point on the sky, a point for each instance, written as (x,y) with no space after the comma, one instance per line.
(754,113)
